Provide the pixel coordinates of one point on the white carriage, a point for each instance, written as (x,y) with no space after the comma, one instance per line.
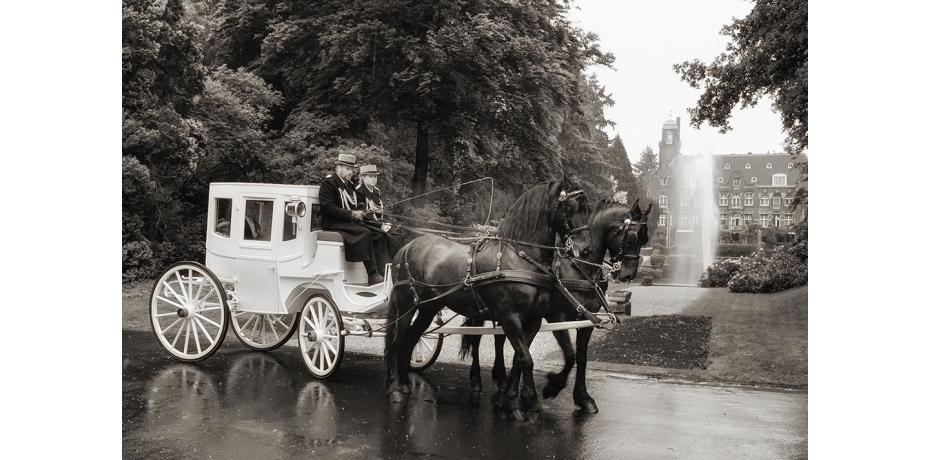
(271,271)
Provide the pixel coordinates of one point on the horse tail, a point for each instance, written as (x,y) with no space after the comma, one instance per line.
(469,341)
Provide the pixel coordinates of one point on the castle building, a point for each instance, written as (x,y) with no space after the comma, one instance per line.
(750,191)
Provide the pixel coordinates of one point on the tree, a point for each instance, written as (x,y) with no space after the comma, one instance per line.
(624,180)
(485,82)
(767,55)
(647,164)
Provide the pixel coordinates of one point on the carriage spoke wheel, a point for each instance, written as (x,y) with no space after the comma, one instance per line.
(263,331)
(320,336)
(189,312)
(426,351)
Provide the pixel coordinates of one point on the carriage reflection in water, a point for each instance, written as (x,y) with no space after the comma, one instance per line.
(272,272)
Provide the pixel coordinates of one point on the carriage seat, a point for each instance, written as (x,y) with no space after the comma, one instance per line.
(324,235)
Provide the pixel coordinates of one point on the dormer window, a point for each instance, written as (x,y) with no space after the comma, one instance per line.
(720,180)
(748,166)
(726,166)
(753,180)
(663,180)
(736,182)
(768,166)
(790,165)
(779,179)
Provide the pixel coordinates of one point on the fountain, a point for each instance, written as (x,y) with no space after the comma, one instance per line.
(703,243)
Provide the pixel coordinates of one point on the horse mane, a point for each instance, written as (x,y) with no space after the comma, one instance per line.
(528,219)
(607,210)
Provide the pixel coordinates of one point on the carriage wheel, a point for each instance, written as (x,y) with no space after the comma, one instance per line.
(263,331)
(320,337)
(189,312)
(426,351)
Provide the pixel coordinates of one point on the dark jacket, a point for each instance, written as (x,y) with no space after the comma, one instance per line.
(336,198)
(369,200)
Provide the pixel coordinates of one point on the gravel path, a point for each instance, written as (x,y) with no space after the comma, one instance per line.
(647,301)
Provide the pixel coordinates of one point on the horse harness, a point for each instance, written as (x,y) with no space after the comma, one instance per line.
(473,279)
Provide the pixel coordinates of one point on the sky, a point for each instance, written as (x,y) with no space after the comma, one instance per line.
(647,37)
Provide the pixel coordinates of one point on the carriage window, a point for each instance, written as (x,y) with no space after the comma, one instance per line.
(223,217)
(258,214)
(289,228)
(315,222)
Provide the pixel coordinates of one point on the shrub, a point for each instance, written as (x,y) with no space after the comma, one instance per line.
(736,249)
(720,273)
(657,249)
(137,261)
(657,260)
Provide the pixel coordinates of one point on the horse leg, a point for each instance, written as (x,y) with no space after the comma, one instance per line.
(557,382)
(499,371)
(474,375)
(522,368)
(423,321)
(398,326)
(580,394)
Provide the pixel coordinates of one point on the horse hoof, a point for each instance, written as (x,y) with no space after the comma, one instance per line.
(397,396)
(550,391)
(587,405)
(535,418)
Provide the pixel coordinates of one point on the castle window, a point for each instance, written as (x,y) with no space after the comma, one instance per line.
(787,219)
(662,218)
(663,180)
(763,200)
(776,201)
(724,199)
(747,198)
(735,200)
(765,220)
(668,138)
(768,166)
(663,201)
(748,166)
(736,182)
(726,166)
(788,200)
(720,180)
(790,165)
(684,221)
(779,179)
(753,180)
(686,201)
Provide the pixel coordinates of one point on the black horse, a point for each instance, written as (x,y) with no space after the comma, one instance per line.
(497,278)
(613,228)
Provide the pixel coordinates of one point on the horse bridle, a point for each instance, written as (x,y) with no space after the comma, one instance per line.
(615,260)
(567,231)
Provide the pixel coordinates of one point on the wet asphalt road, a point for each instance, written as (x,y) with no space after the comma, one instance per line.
(245,404)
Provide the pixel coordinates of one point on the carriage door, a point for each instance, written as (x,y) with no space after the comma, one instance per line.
(257,287)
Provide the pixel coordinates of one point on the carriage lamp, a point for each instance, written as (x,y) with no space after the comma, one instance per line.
(295,208)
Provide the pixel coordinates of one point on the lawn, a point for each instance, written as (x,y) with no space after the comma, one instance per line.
(753,339)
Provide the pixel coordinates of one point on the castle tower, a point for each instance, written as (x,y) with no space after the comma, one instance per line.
(670,144)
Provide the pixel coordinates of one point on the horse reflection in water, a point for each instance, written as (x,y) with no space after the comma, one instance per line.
(430,266)
(613,228)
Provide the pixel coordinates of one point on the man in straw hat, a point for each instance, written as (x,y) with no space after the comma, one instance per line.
(386,240)
(341,212)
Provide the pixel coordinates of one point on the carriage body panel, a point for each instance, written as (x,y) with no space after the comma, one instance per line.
(273,260)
